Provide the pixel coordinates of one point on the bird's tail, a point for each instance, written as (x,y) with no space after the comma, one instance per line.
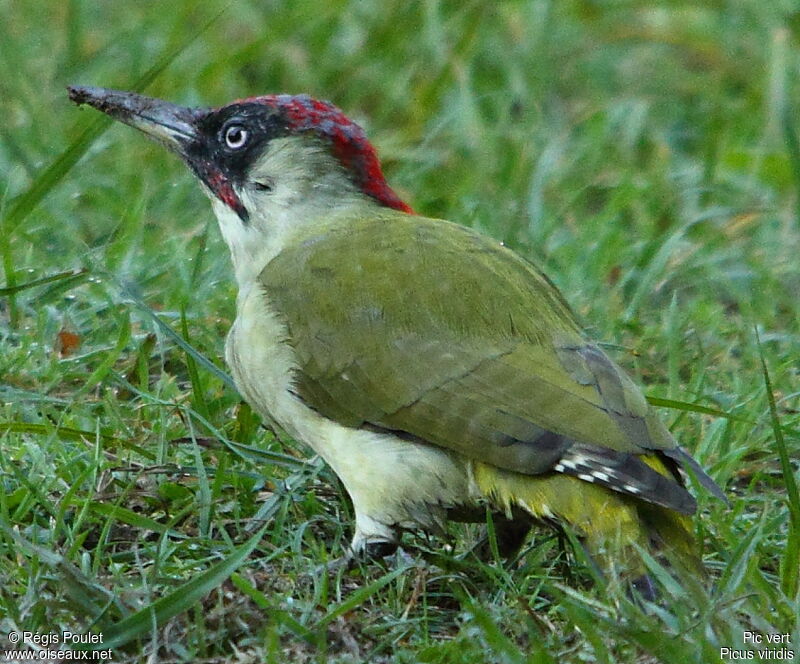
(613,526)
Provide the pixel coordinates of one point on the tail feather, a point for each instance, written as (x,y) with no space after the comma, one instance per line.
(627,473)
(611,524)
(685,460)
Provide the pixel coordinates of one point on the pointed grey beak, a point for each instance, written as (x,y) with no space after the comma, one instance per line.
(171,125)
(175,127)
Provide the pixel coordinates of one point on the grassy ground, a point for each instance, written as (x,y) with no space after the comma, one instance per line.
(645,153)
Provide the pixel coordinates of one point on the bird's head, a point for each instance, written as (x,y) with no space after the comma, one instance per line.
(267,163)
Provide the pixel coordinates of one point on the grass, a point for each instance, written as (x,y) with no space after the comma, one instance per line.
(645,153)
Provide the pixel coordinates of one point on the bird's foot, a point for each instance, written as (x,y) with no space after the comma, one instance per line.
(378,551)
(375,549)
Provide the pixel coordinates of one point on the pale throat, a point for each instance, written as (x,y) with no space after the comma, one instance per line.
(251,247)
(275,223)
(308,186)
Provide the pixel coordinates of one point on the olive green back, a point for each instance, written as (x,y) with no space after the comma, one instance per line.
(425,327)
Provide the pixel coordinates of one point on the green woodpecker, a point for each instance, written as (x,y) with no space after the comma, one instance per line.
(436,371)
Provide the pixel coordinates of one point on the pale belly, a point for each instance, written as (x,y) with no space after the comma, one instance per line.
(392,481)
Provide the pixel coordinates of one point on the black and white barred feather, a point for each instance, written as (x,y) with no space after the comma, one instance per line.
(628,474)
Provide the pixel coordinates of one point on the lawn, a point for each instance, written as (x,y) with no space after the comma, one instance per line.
(645,153)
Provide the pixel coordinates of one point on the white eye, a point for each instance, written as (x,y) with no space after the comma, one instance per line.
(236,136)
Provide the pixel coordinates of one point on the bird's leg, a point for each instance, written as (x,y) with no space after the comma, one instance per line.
(379,549)
(643,587)
(362,550)
(372,539)
(510,535)
(372,542)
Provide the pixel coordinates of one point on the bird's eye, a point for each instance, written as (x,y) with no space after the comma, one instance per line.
(265,185)
(236,136)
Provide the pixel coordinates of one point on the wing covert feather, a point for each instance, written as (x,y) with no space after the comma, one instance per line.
(436,331)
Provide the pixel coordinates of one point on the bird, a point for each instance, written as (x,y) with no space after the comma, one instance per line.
(439,374)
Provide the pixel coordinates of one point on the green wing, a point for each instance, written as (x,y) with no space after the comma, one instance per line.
(426,328)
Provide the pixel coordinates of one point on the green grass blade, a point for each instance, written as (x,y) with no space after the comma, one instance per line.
(247,452)
(790,565)
(359,597)
(179,600)
(70,276)
(198,389)
(736,569)
(652,270)
(70,433)
(133,519)
(24,204)
(275,615)
(501,644)
(203,494)
(689,407)
(793,149)
(201,359)
(110,359)
(83,592)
